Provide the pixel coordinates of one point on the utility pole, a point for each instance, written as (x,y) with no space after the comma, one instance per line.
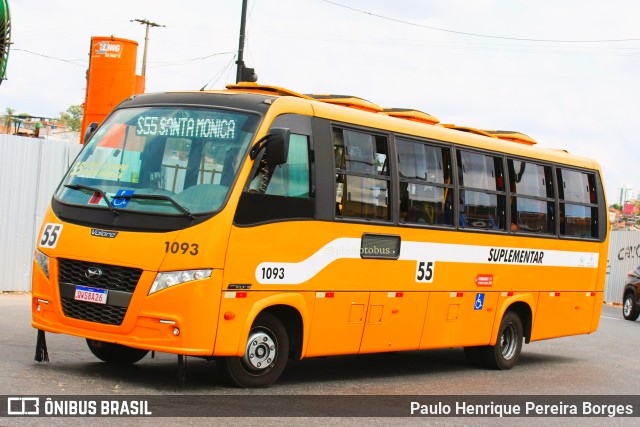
(146,40)
(243,74)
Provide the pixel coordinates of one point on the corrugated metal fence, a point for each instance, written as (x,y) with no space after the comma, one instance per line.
(624,256)
(30,170)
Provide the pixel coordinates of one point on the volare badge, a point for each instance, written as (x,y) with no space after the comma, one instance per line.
(103,233)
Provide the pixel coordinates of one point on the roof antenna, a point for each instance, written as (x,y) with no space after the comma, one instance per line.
(244,74)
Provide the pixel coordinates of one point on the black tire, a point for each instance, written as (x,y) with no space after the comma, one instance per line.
(474,356)
(115,353)
(629,310)
(505,354)
(265,357)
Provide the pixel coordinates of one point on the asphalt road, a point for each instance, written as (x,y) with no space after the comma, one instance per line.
(603,363)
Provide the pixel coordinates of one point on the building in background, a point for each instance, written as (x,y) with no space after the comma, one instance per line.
(38,127)
(627,193)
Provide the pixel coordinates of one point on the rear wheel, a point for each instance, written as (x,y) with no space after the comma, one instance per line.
(629,310)
(265,355)
(505,354)
(115,353)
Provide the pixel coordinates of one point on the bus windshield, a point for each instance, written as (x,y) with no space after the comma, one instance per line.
(166,160)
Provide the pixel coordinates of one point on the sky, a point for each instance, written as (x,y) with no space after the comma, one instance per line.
(565,72)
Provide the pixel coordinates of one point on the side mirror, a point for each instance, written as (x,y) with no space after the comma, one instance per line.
(276,146)
(89,130)
(277,150)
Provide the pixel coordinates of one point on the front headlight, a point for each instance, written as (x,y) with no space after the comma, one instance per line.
(172,278)
(43,262)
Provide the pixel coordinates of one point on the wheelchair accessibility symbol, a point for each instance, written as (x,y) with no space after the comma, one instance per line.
(479,302)
(121,199)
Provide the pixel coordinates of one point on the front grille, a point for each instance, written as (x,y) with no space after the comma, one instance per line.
(113,277)
(100,313)
(120,281)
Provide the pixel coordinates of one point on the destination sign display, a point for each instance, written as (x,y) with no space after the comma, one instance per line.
(212,126)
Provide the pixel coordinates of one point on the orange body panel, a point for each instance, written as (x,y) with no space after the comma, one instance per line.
(337,323)
(453,320)
(564,313)
(394,321)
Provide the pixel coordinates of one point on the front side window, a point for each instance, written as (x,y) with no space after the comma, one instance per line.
(290,179)
(170,161)
(362,174)
(281,192)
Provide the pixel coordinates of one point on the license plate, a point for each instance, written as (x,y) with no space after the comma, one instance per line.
(95,295)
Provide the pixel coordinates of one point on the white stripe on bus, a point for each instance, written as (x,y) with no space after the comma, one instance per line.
(294,273)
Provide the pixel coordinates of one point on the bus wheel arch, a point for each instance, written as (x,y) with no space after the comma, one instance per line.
(506,351)
(292,322)
(523,310)
(503,353)
(276,335)
(264,358)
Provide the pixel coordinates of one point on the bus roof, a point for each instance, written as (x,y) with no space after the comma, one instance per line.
(358,111)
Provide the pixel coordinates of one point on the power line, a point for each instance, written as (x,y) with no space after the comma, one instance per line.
(400,21)
(219,74)
(70,61)
(188,61)
(460,45)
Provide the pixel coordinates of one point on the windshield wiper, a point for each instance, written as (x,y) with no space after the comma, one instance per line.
(114,209)
(95,190)
(175,204)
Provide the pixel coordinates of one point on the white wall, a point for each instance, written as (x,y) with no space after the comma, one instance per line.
(30,170)
(624,256)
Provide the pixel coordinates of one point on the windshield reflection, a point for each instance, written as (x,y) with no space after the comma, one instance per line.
(172,161)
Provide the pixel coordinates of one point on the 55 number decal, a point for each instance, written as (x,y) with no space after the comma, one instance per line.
(425,271)
(50,235)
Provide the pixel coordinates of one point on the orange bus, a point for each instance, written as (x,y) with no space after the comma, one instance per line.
(255,225)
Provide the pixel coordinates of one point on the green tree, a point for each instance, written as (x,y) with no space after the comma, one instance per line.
(8,115)
(72,118)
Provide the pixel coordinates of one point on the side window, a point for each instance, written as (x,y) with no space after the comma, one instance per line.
(282,192)
(578,205)
(482,192)
(532,199)
(362,174)
(425,183)
(292,178)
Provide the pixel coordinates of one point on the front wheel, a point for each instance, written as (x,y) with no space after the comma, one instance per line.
(265,355)
(115,353)
(629,310)
(505,354)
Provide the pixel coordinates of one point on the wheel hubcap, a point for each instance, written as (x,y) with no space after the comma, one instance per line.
(261,351)
(627,307)
(508,342)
